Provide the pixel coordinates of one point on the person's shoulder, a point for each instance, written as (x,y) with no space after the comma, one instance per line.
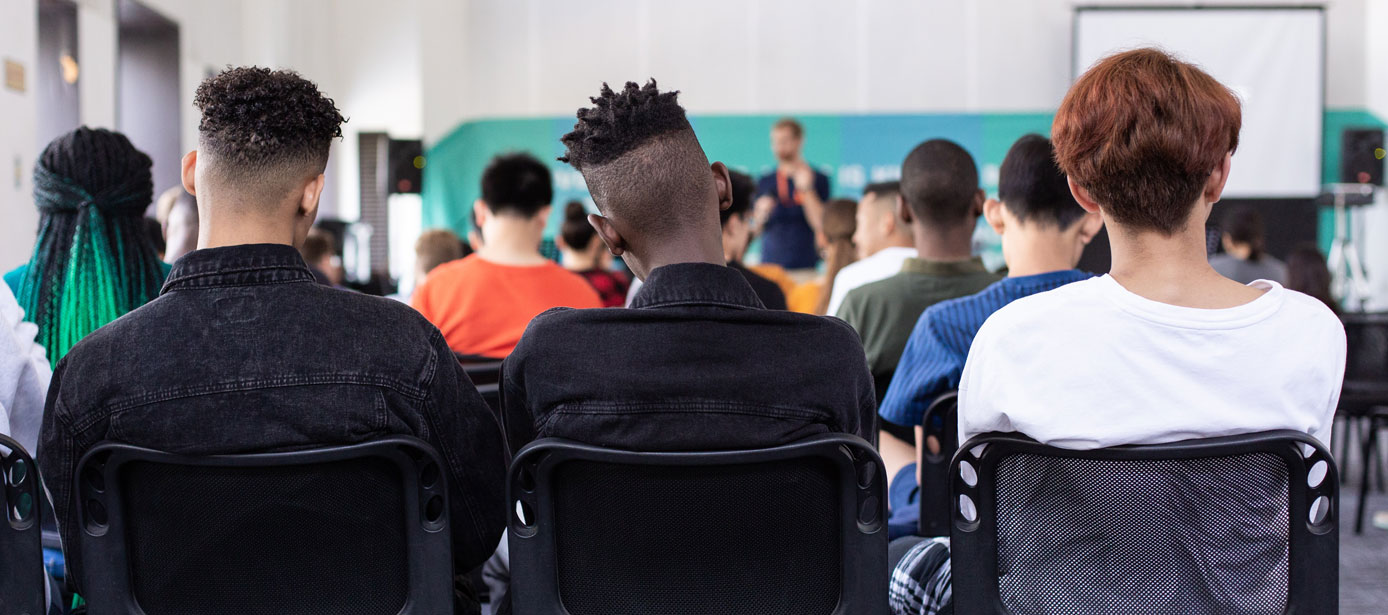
(1309,312)
(886,287)
(1051,308)
(14,278)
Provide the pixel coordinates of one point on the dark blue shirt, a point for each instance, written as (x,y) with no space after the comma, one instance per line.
(787,238)
(935,353)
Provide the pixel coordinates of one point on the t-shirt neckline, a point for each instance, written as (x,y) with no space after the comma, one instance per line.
(1195,318)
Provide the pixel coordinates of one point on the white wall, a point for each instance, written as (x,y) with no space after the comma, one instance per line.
(18,139)
(544,57)
(149,108)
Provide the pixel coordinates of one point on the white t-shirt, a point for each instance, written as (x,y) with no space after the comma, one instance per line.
(1091,365)
(884,264)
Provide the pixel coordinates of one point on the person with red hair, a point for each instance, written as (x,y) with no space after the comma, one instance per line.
(1163,348)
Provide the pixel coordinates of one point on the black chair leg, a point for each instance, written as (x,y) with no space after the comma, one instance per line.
(1370,441)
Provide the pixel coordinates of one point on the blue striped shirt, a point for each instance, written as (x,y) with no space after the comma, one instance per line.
(935,353)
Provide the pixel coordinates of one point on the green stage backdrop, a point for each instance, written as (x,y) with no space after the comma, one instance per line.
(853,150)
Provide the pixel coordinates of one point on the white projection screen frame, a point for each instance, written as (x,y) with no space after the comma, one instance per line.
(1272,57)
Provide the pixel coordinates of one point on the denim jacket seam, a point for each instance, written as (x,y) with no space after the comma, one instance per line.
(113,410)
(205,285)
(586,409)
(693,302)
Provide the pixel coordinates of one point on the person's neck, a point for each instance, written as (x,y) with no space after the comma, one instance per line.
(683,250)
(509,241)
(1172,269)
(578,261)
(215,232)
(1241,251)
(943,245)
(1038,251)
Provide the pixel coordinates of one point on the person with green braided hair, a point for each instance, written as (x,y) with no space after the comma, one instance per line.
(93,260)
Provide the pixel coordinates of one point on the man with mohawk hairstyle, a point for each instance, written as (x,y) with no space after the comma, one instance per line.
(697,362)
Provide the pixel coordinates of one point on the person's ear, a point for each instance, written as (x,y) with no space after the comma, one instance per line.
(1214,187)
(190,172)
(992,214)
(1082,196)
(1090,225)
(541,218)
(979,198)
(308,199)
(481,213)
(616,244)
(903,211)
(723,182)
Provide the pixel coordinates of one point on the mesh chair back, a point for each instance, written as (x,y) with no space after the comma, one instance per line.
(794,530)
(941,421)
(1240,524)
(21,550)
(356,530)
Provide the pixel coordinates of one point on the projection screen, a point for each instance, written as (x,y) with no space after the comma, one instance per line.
(1272,58)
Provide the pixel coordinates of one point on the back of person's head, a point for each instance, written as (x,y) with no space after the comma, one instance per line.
(177,214)
(517,184)
(318,247)
(743,188)
(263,138)
(93,260)
(939,183)
(1308,273)
(838,226)
(647,173)
(576,233)
(436,247)
(1244,226)
(877,224)
(1032,186)
(1144,133)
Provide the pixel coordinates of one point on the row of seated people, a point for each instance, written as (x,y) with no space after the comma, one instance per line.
(263,359)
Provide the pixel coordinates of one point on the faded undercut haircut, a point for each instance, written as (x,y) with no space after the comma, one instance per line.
(264,131)
(640,158)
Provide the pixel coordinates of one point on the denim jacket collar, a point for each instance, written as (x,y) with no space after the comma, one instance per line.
(696,283)
(244,265)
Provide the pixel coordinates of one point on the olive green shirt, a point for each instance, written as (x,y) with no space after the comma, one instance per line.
(885,312)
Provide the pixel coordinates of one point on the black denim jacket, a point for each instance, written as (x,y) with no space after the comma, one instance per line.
(242,352)
(696,364)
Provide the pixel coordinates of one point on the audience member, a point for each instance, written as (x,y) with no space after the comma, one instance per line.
(940,202)
(177,213)
(1163,348)
(659,199)
(884,242)
(319,252)
(1244,259)
(1307,273)
(737,233)
(1044,232)
(24,375)
(433,248)
(790,201)
(583,253)
(483,303)
(836,242)
(93,260)
(271,361)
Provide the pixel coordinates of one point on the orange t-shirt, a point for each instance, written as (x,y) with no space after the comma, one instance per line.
(482,307)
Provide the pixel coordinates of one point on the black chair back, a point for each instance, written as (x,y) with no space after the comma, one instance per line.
(1237,524)
(798,529)
(941,421)
(484,372)
(21,548)
(1366,360)
(357,529)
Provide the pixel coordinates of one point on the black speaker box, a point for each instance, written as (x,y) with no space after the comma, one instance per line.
(406,160)
(1361,156)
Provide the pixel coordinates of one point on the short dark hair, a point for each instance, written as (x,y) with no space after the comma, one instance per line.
(517,183)
(743,189)
(940,182)
(791,124)
(662,165)
(576,232)
(1142,131)
(1033,187)
(265,129)
(1244,225)
(880,189)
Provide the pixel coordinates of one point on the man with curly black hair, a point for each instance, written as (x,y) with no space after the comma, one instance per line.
(256,357)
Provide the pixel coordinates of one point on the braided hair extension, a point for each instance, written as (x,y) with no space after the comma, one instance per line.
(93,261)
